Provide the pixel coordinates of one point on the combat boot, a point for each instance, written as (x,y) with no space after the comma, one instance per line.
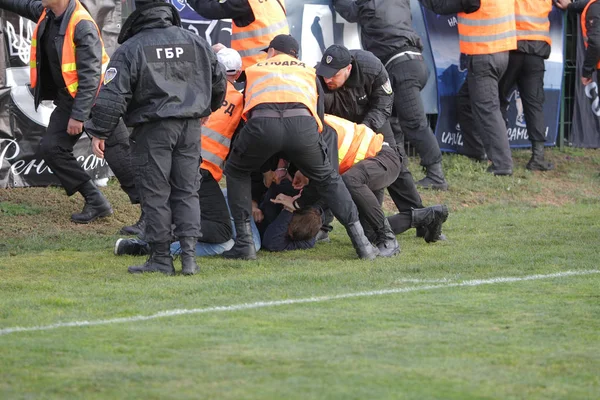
(432,219)
(160,260)
(188,255)
(363,247)
(537,162)
(434,178)
(96,205)
(136,229)
(131,247)
(386,241)
(244,244)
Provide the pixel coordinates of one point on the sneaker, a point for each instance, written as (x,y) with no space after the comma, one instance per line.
(131,247)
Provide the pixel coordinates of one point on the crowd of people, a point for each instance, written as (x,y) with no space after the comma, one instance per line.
(299,144)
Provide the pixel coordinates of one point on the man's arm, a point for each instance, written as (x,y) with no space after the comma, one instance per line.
(216,9)
(219,83)
(444,7)
(115,94)
(571,6)
(30,9)
(347,9)
(592,53)
(88,58)
(381,101)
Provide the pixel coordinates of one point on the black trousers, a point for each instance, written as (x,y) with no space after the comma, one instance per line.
(479,115)
(166,158)
(408,78)
(368,176)
(56,148)
(298,138)
(117,152)
(527,72)
(215,218)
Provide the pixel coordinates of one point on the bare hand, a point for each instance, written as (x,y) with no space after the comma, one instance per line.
(217,47)
(268,178)
(299,180)
(98,147)
(204,120)
(257,213)
(286,201)
(586,81)
(562,4)
(74,127)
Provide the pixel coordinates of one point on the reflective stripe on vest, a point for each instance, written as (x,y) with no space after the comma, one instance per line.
(532,20)
(269,21)
(584,27)
(356,142)
(491,29)
(281,79)
(218,131)
(68,59)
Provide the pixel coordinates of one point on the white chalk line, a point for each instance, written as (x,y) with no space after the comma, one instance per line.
(262,304)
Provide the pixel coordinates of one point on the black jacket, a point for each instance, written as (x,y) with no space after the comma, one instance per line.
(88,54)
(592,23)
(366,97)
(238,10)
(445,7)
(160,71)
(385,25)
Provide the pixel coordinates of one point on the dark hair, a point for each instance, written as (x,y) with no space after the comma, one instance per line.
(305,224)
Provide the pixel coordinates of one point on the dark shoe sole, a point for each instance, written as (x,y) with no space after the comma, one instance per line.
(101,215)
(169,273)
(193,272)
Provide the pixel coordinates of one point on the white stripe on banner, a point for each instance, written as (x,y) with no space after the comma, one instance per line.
(263,304)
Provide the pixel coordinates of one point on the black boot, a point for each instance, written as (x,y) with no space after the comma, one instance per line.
(322,237)
(131,247)
(96,205)
(434,178)
(363,247)
(244,245)
(537,162)
(160,260)
(188,255)
(422,230)
(136,229)
(386,241)
(432,219)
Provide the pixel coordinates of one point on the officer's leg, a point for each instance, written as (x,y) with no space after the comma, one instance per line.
(216,221)
(473,145)
(151,159)
(509,80)
(56,149)
(257,142)
(484,75)
(305,148)
(531,86)
(403,191)
(409,78)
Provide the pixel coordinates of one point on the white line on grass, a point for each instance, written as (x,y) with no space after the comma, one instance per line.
(262,304)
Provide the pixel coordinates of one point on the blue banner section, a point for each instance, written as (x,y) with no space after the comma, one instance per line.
(451,73)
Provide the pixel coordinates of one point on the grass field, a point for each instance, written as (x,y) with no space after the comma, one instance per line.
(507,308)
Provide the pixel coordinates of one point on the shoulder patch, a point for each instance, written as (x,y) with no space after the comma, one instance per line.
(109,75)
(387,87)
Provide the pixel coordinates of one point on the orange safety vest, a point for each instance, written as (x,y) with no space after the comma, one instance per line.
(584,27)
(282,79)
(491,29)
(532,20)
(269,21)
(218,131)
(356,142)
(68,60)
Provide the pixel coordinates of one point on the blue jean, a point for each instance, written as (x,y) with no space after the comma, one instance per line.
(214,249)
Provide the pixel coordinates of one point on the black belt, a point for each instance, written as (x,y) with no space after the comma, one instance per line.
(293,112)
(405,56)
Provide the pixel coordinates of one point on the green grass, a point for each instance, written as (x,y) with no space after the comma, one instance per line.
(534,339)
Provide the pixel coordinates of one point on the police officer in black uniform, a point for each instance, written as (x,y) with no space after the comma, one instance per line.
(162,80)
(386,31)
(357,88)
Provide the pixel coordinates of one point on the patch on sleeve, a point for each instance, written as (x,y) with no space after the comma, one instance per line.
(109,75)
(387,87)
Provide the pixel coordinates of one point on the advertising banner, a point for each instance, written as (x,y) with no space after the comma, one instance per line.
(451,73)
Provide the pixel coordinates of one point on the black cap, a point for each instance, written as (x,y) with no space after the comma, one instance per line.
(335,58)
(285,44)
